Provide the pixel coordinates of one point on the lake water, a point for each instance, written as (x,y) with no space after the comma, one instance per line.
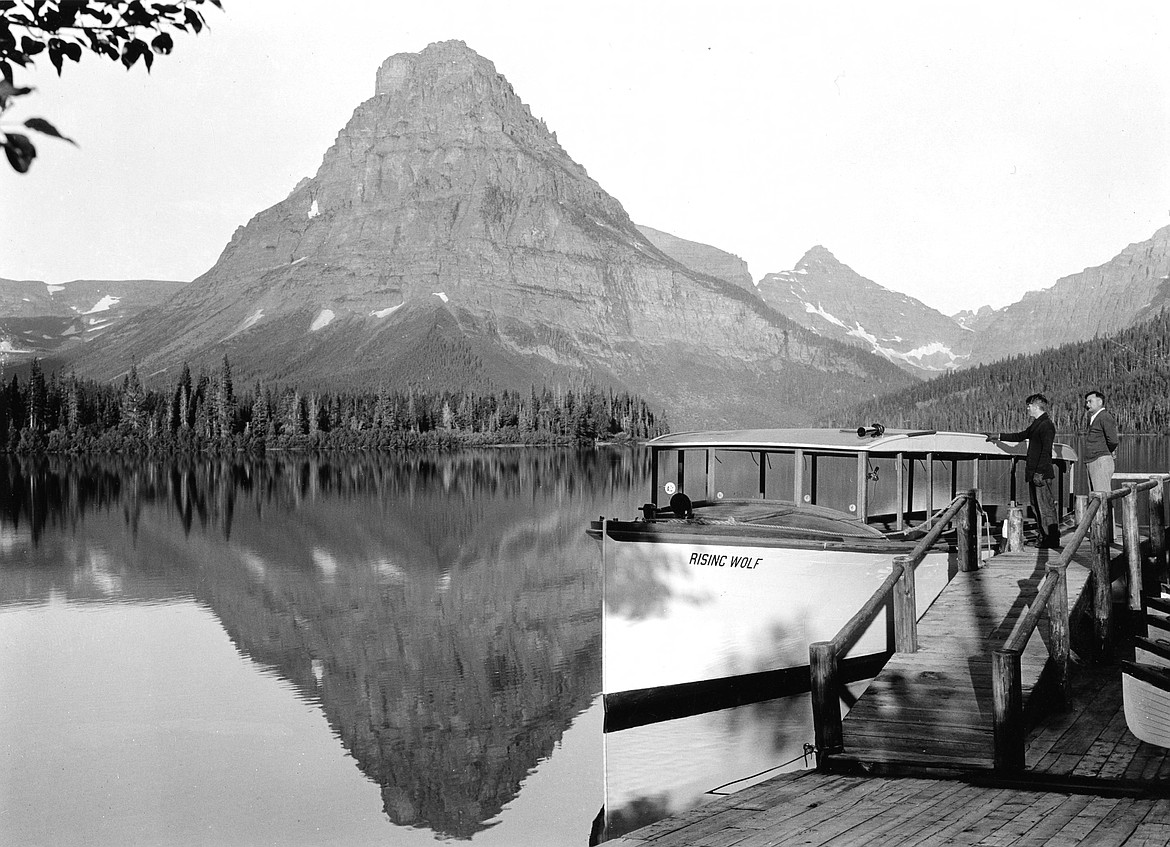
(355,650)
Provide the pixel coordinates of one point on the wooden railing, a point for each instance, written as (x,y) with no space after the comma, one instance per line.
(824,655)
(1052,597)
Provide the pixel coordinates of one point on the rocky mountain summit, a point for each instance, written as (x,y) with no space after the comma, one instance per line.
(832,299)
(448,241)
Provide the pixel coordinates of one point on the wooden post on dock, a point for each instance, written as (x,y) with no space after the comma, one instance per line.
(1102,592)
(1133,556)
(1014,527)
(1058,627)
(966,527)
(826,704)
(1158,532)
(905,608)
(1008,705)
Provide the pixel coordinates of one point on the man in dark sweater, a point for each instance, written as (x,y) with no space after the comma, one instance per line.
(1040,434)
(1101,442)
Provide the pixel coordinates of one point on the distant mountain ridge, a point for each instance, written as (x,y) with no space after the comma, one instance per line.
(37,319)
(832,299)
(448,241)
(1102,300)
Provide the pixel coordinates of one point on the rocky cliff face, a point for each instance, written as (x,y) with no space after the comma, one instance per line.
(835,301)
(1097,301)
(446,217)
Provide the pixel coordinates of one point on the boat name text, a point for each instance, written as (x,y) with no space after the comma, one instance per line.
(722,560)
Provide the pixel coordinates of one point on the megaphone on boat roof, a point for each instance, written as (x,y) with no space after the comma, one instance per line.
(874,430)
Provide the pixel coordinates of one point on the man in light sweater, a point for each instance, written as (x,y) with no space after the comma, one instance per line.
(1101,442)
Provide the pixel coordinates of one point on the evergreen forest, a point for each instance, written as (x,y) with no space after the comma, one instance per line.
(65,414)
(1131,368)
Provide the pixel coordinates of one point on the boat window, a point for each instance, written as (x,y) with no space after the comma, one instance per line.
(881,486)
(831,481)
(945,483)
(693,479)
(779,473)
(924,488)
(995,480)
(735,474)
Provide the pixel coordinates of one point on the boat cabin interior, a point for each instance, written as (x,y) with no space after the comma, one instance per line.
(881,481)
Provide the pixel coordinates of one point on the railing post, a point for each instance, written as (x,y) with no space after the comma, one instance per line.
(826,704)
(1058,627)
(905,609)
(1158,531)
(1102,591)
(1014,527)
(1007,702)
(966,527)
(1133,555)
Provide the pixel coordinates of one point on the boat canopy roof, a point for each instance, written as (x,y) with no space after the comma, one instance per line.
(848,441)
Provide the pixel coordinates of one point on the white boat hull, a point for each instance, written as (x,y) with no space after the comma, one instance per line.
(1147,710)
(678,613)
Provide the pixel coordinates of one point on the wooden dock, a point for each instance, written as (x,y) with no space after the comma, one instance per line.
(950,743)
(933,707)
(1089,782)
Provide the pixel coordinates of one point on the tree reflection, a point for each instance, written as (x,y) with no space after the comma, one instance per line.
(444,610)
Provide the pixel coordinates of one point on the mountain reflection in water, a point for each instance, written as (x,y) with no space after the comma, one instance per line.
(443,610)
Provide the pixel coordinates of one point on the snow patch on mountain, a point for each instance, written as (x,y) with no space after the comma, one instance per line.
(323,319)
(103,305)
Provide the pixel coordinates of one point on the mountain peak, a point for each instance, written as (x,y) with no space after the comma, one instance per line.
(817,255)
(449,61)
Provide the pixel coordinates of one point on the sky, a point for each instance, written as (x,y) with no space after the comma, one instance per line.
(961,153)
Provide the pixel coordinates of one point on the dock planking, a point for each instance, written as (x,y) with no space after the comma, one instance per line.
(823,809)
(934,706)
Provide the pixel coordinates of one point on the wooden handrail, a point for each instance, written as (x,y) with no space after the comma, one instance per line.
(1052,595)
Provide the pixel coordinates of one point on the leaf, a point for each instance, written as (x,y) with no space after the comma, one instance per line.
(7,89)
(31,46)
(73,51)
(134,50)
(57,53)
(193,19)
(20,151)
(163,44)
(43,126)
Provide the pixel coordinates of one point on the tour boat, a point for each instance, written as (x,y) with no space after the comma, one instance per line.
(756,543)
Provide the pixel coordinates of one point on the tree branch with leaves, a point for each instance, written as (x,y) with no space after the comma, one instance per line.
(126,31)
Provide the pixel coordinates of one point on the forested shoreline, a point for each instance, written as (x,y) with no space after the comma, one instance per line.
(65,414)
